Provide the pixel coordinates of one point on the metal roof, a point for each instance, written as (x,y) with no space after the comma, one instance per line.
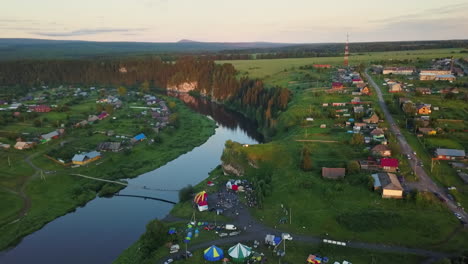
(451,152)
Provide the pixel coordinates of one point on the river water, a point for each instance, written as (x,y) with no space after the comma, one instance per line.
(100,231)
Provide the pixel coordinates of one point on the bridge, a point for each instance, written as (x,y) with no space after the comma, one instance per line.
(125,184)
(146,197)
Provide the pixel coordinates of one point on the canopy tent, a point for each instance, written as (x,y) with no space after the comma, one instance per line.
(172,230)
(200,197)
(239,252)
(213,253)
(316,259)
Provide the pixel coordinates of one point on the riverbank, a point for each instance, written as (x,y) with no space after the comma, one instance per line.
(60,193)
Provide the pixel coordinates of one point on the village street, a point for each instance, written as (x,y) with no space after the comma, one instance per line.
(425,183)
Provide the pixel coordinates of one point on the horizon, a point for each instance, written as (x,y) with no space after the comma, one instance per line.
(294,22)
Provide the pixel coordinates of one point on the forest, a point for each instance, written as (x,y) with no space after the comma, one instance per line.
(220,82)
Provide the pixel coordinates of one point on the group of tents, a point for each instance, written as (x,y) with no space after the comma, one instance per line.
(238,253)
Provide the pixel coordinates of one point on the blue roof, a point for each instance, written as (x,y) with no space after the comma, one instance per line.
(78,157)
(140,137)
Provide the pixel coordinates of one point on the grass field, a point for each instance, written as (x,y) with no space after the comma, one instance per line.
(271,67)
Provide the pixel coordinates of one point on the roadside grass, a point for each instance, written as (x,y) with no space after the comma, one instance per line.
(10,205)
(270,67)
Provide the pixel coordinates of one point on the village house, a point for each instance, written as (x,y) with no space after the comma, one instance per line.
(356,100)
(389,164)
(337,85)
(365,90)
(338,104)
(436,72)
(427,131)
(369,165)
(110,146)
(423,109)
(450,154)
(357,80)
(4,146)
(446,77)
(358,109)
(323,66)
(102,115)
(424,90)
(40,108)
(373,119)
(403,100)
(81,123)
(390,185)
(447,90)
(381,151)
(49,136)
(333,173)
(20,145)
(398,70)
(395,88)
(85,158)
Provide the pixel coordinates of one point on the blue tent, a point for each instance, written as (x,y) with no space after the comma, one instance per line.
(140,137)
(213,253)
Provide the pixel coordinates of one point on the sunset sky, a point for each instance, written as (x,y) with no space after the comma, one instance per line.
(289,21)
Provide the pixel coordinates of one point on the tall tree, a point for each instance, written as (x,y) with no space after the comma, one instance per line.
(306,163)
(122,91)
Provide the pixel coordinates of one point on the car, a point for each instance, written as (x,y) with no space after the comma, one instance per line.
(230,227)
(235,233)
(458,216)
(223,234)
(168,261)
(408,156)
(286,236)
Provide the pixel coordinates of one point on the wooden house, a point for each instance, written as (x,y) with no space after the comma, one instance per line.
(423,109)
(333,173)
(390,185)
(450,154)
(85,158)
(389,164)
(381,151)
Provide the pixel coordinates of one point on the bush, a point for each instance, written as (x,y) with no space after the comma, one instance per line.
(154,237)
(186,193)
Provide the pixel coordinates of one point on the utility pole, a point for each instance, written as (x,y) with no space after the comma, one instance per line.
(9,162)
(290,215)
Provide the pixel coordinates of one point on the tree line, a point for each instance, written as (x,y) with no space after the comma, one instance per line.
(220,82)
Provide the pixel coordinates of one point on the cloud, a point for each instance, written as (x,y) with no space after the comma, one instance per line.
(84,32)
(426,13)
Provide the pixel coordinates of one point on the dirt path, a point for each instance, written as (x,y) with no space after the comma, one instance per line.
(424,183)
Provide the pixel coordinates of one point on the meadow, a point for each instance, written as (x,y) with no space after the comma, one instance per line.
(269,67)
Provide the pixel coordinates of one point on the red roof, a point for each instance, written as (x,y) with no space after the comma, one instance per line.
(389,163)
(357,80)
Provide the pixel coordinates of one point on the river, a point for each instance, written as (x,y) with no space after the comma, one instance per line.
(101,230)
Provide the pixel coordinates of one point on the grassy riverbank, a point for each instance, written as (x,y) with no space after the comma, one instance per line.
(61,193)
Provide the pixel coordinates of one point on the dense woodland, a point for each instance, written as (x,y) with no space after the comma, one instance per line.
(219,82)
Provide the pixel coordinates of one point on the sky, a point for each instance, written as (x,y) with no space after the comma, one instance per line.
(291,21)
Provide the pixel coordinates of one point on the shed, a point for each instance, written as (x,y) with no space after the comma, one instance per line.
(333,173)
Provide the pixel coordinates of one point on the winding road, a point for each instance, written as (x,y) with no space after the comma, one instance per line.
(424,183)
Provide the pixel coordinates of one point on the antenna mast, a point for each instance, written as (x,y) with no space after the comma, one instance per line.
(346,51)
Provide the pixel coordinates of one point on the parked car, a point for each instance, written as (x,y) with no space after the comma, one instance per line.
(286,236)
(230,227)
(223,234)
(458,216)
(168,261)
(235,233)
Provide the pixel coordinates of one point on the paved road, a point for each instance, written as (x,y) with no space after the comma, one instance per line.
(256,230)
(425,183)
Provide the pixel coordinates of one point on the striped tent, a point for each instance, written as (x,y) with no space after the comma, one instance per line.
(239,252)
(213,253)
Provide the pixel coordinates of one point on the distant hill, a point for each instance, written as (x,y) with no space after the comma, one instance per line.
(11,49)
